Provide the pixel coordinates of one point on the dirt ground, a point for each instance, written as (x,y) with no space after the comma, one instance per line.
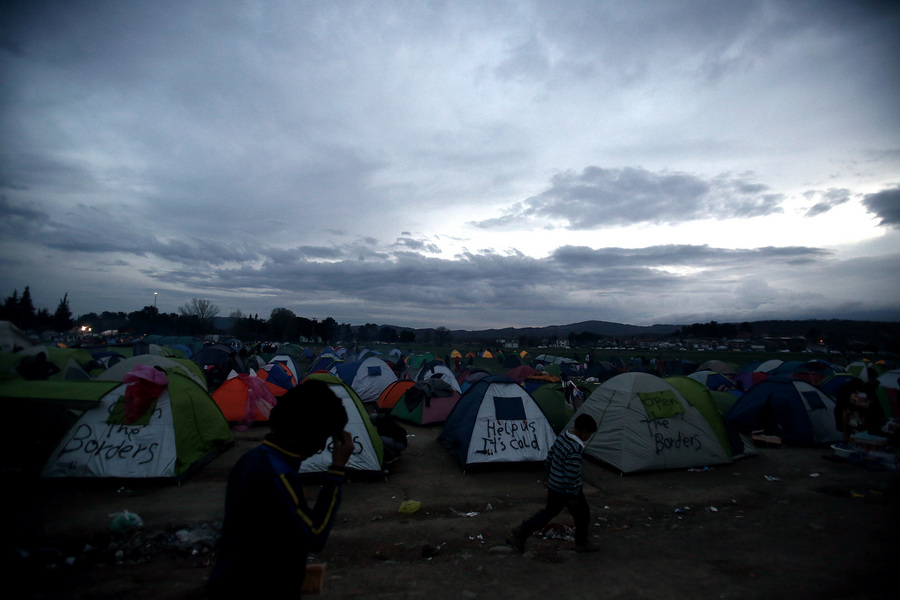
(787,523)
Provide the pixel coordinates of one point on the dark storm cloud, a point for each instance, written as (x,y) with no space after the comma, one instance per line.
(584,258)
(569,277)
(15,217)
(885,205)
(598,197)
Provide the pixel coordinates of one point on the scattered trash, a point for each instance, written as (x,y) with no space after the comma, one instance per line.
(771,478)
(409,507)
(813,474)
(489,507)
(692,469)
(466,514)
(124,521)
(712,509)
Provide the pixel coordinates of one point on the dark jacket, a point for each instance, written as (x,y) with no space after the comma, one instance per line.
(269,529)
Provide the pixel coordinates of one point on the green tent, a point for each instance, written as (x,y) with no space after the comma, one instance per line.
(181,430)
(699,397)
(551,397)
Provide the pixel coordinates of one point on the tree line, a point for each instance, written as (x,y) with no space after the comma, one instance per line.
(198,317)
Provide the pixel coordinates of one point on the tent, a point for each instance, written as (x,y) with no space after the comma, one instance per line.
(790,408)
(70,361)
(181,429)
(569,366)
(436,369)
(889,386)
(368,377)
(719,366)
(290,361)
(713,380)
(551,397)
(427,402)
(469,376)
(496,421)
(391,394)
(645,424)
(118,371)
(244,399)
(278,377)
(368,455)
(521,373)
(324,363)
(602,370)
(217,362)
(698,395)
(12,338)
(533,382)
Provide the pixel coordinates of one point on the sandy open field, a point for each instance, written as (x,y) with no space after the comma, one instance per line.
(786,524)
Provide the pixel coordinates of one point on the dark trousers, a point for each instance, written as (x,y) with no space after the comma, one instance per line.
(556,501)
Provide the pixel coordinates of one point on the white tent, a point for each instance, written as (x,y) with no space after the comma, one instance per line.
(497,421)
(368,454)
(368,377)
(11,338)
(644,424)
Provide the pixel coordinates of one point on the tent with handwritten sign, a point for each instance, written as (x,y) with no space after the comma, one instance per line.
(368,454)
(645,424)
(496,421)
(175,429)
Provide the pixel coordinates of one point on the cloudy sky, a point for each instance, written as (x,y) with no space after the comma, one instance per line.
(465,164)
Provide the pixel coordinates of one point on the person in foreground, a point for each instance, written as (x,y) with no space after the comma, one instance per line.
(564,488)
(269,529)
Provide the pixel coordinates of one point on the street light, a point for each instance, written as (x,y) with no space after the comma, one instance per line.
(155,294)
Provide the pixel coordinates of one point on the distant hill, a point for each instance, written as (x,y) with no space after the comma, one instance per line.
(875,335)
(603,328)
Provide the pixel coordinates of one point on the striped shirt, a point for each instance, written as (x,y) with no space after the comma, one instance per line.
(564,464)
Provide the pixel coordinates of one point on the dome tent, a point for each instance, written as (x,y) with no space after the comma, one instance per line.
(645,424)
(179,432)
(792,409)
(368,455)
(496,421)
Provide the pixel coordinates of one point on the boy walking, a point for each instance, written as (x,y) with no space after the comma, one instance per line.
(564,488)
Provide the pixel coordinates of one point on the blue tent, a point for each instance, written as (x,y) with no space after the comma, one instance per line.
(790,408)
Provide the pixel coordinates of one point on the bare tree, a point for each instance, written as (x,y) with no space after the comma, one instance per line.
(201,309)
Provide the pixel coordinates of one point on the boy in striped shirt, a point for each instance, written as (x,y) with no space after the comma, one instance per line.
(564,487)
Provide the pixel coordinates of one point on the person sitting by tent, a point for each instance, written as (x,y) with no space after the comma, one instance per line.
(268,528)
(393,436)
(854,411)
(37,367)
(860,415)
(564,488)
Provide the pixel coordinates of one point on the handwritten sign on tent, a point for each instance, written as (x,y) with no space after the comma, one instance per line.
(661,404)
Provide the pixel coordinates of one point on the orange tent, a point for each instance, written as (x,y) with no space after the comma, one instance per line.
(244,399)
(392,393)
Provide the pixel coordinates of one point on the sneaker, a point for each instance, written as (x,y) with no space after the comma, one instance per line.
(589,547)
(517,540)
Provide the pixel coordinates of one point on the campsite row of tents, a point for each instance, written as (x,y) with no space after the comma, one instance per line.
(646,422)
